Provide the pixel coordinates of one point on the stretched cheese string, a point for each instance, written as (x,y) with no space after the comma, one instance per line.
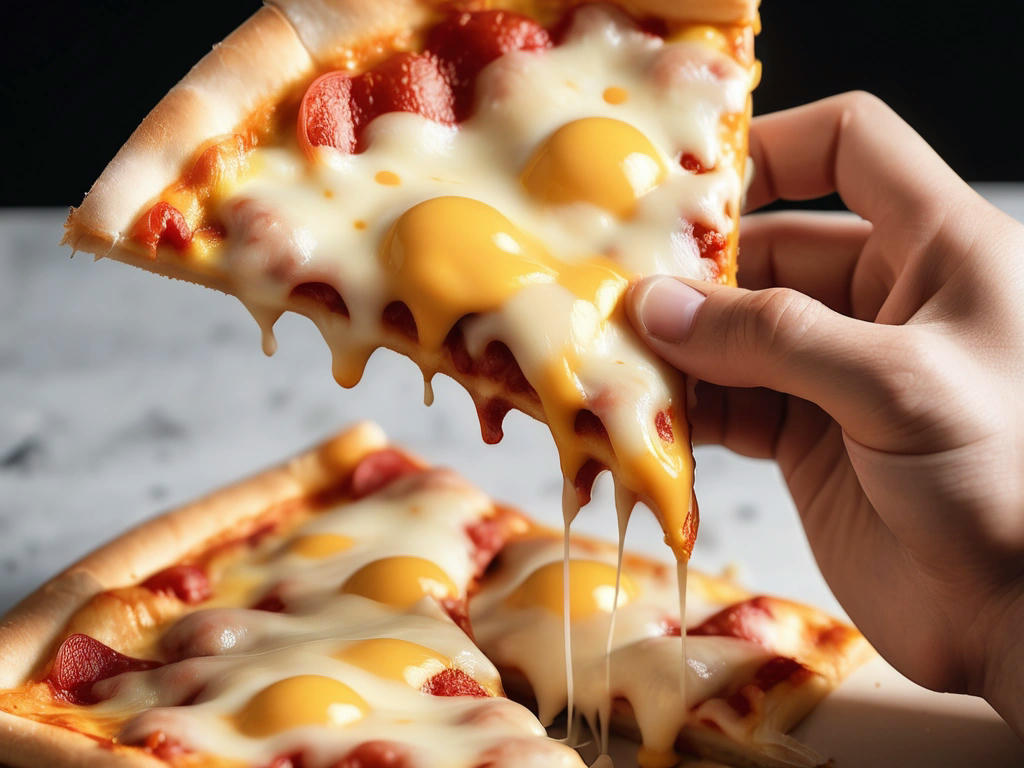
(624,503)
(570,508)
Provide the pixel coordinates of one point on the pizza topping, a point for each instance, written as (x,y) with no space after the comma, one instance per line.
(162,224)
(400,581)
(317,546)
(82,661)
(466,42)
(378,470)
(188,583)
(337,107)
(298,701)
(596,160)
(591,589)
(395,659)
(454,682)
(748,620)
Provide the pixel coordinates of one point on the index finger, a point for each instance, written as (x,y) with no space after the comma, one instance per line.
(852,144)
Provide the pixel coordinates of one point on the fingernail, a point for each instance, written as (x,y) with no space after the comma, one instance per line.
(666,307)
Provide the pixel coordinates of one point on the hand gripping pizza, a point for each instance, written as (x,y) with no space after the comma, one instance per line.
(357,608)
(472,184)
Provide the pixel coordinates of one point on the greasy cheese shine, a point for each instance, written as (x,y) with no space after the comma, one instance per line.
(596,160)
(454,256)
(524,223)
(298,701)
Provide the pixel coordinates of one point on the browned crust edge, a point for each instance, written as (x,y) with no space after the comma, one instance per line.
(281,44)
(29,631)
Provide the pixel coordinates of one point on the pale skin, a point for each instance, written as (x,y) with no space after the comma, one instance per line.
(879,359)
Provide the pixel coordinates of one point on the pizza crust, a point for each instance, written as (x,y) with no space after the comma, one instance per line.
(280,45)
(30,630)
(252,65)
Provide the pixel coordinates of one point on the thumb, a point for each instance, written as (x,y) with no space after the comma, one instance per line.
(780,339)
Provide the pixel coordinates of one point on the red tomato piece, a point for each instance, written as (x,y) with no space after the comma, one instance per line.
(162,224)
(711,244)
(453,682)
(663,423)
(186,582)
(692,164)
(466,42)
(375,754)
(82,661)
(325,114)
(379,469)
(749,620)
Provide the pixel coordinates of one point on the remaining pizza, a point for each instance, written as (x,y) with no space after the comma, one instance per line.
(322,615)
(473,184)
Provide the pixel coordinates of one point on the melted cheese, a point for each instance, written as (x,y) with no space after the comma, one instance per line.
(320,545)
(596,160)
(395,659)
(591,589)
(298,701)
(533,214)
(515,623)
(400,581)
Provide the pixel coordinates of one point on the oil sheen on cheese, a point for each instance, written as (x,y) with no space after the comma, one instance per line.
(533,214)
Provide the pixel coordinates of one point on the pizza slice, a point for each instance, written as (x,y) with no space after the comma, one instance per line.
(322,615)
(315,615)
(471,184)
(755,665)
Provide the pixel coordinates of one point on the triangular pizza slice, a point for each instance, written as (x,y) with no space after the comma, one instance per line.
(472,184)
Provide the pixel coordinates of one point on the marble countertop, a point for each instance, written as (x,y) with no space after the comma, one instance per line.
(123,395)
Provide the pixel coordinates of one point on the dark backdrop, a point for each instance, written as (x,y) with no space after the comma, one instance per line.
(78,76)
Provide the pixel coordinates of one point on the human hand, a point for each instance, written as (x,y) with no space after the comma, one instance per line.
(879,360)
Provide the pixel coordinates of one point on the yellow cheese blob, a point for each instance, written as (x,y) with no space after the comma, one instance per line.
(320,545)
(596,160)
(704,34)
(613,94)
(298,701)
(394,659)
(452,256)
(400,581)
(591,589)
(388,178)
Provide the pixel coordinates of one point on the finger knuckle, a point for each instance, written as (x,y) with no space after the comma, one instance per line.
(775,319)
(863,103)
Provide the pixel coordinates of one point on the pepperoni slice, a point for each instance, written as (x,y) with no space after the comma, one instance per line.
(325,114)
(749,620)
(186,582)
(162,224)
(663,423)
(466,42)
(337,107)
(82,661)
(488,536)
(406,82)
(378,470)
(453,682)
(375,754)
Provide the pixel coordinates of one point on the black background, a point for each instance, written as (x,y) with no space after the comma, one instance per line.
(78,77)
